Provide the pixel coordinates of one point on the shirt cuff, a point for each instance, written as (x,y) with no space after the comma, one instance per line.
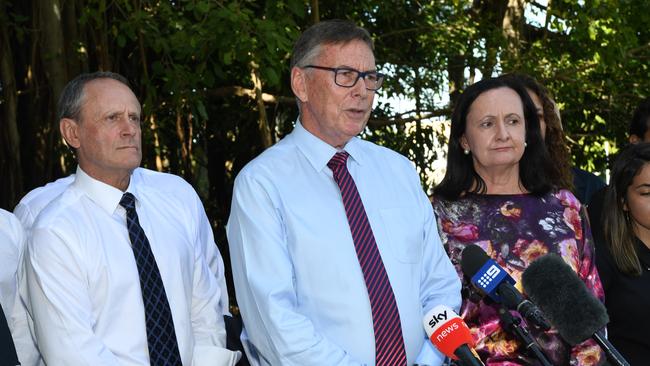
(214,356)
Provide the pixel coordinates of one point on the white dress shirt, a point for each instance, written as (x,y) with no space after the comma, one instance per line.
(21,322)
(33,202)
(26,211)
(299,284)
(83,288)
(11,244)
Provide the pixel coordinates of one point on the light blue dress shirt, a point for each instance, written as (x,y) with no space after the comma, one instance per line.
(299,284)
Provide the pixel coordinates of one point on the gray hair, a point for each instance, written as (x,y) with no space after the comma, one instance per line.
(334,31)
(72,96)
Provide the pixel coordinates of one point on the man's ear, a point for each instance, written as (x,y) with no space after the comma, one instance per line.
(70,131)
(634,139)
(299,83)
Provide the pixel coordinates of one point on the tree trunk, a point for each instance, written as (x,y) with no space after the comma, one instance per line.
(11,186)
(185,140)
(419,135)
(55,70)
(71,35)
(456,71)
(156,143)
(262,121)
(513,23)
(315,13)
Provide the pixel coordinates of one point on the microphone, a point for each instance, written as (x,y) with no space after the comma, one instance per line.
(450,335)
(492,280)
(574,311)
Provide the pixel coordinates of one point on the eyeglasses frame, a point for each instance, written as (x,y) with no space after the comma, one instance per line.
(360,75)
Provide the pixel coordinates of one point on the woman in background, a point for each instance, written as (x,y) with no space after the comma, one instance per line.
(550,126)
(497,193)
(582,183)
(623,258)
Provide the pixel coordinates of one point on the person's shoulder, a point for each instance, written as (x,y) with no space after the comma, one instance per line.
(386,157)
(439,201)
(39,197)
(10,227)
(564,197)
(167,186)
(272,161)
(588,178)
(380,151)
(160,180)
(467,202)
(439,204)
(62,210)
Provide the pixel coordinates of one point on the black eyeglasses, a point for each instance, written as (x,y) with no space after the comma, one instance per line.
(347,77)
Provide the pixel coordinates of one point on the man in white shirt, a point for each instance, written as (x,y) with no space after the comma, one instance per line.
(26,211)
(115,269)
(11,243)
(334,247)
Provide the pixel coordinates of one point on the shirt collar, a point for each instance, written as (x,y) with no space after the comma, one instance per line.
(105,196)
(318,152)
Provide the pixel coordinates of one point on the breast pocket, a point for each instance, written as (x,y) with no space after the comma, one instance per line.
(404,232)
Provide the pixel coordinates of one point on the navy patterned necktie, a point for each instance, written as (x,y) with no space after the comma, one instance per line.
(389,343)
(161,338)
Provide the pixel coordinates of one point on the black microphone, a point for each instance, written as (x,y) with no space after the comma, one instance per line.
(513,325)
(493,281)
(574,311)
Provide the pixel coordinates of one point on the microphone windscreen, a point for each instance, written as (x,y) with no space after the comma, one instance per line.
(472,259)
(564,299)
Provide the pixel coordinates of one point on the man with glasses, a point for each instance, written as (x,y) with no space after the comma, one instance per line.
(334,247)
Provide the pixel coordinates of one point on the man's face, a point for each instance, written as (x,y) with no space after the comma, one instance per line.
(108,134)
(333,113)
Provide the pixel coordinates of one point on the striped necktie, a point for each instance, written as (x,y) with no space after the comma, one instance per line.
(389,343)
(161,337)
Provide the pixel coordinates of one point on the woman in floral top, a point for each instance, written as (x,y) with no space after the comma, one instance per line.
(496,194)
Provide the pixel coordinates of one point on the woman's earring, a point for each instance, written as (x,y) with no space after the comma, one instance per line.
(466,151)
(525,144)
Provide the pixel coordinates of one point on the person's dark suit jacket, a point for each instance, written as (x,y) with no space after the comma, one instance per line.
(595,211)
(8,355)
(586,184)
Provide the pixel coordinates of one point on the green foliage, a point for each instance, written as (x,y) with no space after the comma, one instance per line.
(191,63)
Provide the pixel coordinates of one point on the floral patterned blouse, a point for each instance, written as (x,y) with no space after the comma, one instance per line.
(514,230)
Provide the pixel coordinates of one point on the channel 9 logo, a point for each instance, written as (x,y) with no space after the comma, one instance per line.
(489,276)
